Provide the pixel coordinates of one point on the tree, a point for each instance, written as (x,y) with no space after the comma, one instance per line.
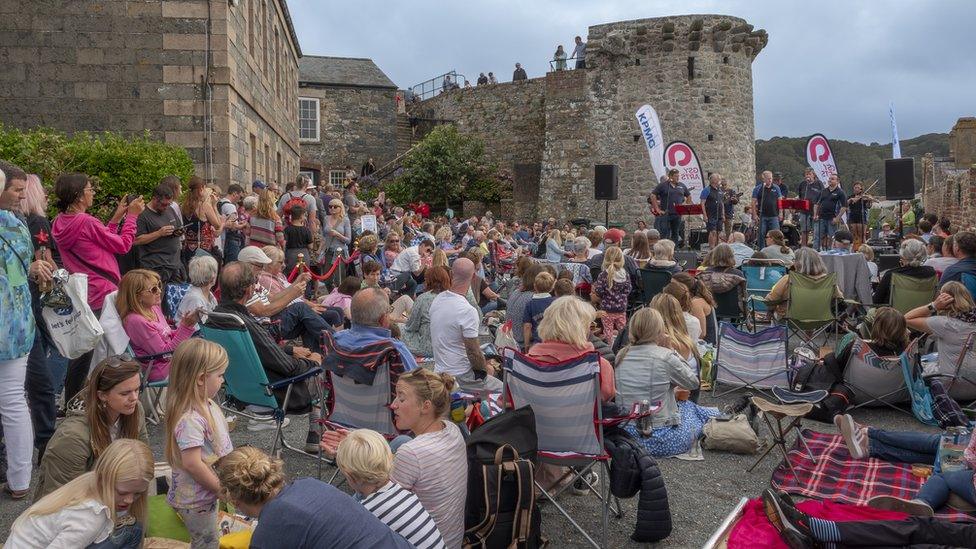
(444,168)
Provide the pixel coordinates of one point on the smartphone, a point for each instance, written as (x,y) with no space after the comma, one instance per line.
(130,197)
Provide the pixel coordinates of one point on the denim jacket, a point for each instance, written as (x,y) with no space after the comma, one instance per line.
(16,314)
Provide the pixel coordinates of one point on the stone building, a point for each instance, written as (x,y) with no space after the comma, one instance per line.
(347,114)
(695,70)
(949,184)
(218,78)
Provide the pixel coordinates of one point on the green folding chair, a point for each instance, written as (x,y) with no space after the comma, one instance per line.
(245,381)
(908,292)
(812,309)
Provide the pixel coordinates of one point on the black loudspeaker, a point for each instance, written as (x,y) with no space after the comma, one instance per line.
(605,182)
(900,178)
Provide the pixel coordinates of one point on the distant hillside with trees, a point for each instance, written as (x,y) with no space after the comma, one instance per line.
(855,161)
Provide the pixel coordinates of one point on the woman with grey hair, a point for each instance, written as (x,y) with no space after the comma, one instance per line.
(912,255)
(663,259)
(807,263)
(203,276)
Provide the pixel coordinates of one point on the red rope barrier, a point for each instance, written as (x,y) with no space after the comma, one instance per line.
(335,264)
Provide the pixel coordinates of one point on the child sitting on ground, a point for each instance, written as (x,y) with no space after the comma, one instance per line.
(365,459)
(536,307)
(611,289)
(198,437)
(341,296)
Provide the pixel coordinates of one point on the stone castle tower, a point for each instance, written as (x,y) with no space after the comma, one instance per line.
(695,70)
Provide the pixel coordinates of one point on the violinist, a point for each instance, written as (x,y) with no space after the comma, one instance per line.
(858,206)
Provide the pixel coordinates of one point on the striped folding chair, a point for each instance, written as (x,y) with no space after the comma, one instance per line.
(569,420)
(750,360)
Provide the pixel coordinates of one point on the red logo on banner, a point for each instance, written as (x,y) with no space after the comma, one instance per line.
(820,158)
(679,154)
(818,148)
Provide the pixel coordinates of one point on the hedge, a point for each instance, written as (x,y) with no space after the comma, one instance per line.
(119,164)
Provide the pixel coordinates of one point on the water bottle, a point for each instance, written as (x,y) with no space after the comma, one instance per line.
(644,423)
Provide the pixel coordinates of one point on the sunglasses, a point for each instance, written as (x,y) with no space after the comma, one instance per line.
(153,289)
(333,205)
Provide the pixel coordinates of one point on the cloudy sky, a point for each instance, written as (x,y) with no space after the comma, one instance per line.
(831,66)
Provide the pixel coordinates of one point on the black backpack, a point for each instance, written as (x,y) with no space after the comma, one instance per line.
(501,510)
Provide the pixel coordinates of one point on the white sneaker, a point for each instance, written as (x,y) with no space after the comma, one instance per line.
(580,489)
(257,425)
(853,437)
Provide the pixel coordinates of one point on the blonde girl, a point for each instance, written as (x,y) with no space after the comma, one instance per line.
(265,224)
(694,320)
(612,288)
(197,437)
(105,507)
(676,327)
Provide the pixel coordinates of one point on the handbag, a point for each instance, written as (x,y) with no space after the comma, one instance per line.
(734,435)
(75,330)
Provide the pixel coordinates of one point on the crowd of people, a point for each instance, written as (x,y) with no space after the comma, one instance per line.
(315,260)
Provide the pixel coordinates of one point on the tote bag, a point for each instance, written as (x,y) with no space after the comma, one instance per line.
(75,329)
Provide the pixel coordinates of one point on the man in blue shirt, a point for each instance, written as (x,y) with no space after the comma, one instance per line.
(713,208)
(765,206)
(965,245)
(670,193)
(810,190)
(829,211)
(370,310)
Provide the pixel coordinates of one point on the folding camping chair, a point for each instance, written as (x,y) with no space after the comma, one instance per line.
(750,360)
(245,380)
(876,380)
(569,421)
(653,282)
(811,311)
(961,378)
(775,415)
(908,292)
(761,275)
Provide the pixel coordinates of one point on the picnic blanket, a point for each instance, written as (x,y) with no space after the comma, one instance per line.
(753,529)
(839,478)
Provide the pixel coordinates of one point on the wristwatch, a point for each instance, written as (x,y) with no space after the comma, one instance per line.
(931,308)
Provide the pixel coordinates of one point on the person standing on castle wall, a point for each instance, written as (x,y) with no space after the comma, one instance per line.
(482,79)
(810,190)
(765,206)
(580,53)
(671,193)
(560,58)
(519,73)
(713,201)
(491,78)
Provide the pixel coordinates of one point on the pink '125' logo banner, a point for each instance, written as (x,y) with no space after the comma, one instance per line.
(820,158)
(680,156)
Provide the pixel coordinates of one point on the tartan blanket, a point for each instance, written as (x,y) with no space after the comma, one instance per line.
(839,478)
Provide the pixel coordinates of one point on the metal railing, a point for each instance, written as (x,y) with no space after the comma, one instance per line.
(567,64)
(429,88)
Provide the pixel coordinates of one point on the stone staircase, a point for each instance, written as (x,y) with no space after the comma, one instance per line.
(404,136)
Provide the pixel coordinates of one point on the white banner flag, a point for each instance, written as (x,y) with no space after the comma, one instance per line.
(895,145)
(820,158)
(680,156)
(650,127)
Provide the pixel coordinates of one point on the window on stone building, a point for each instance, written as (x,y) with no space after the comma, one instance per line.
(278,165)
(308,119)
(277,64)
(691,68)
(336,177)
(725,60)
(251,20)
(267,164)
(264,34)
(254,158)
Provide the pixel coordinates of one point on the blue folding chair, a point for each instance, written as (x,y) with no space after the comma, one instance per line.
(245,381)
(761,275)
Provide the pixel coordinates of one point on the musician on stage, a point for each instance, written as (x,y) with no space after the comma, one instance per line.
(671,193)
(857,217)
(713,208)
(766,214)
(829,211)
(731,199)
(810,189)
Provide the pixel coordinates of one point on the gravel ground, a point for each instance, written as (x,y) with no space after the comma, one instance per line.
(701,493)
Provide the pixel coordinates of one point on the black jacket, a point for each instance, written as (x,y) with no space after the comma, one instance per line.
(633,470)
(277,363)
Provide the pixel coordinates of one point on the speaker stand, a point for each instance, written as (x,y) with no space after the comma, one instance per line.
(901,222)
(606,214)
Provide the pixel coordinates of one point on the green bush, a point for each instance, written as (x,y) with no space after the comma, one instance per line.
(120,165)
(444,168)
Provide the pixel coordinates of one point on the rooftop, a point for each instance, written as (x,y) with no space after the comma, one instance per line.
(342,71)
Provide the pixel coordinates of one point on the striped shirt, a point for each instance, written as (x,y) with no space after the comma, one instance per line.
(435,467)
(404,514)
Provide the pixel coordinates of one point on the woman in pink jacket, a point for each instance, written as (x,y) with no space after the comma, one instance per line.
(89,246)
(138,303)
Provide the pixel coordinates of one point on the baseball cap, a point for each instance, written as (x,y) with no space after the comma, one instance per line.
(258,184)
(615,236)
(253,254)
(844,237)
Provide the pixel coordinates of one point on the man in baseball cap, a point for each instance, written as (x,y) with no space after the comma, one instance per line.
(254,256)
(842,243)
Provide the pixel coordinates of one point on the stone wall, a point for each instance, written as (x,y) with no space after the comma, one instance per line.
(949,184)
(139,66)
(360,120)
(695,70)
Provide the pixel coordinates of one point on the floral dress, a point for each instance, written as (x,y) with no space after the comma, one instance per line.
(16,314)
